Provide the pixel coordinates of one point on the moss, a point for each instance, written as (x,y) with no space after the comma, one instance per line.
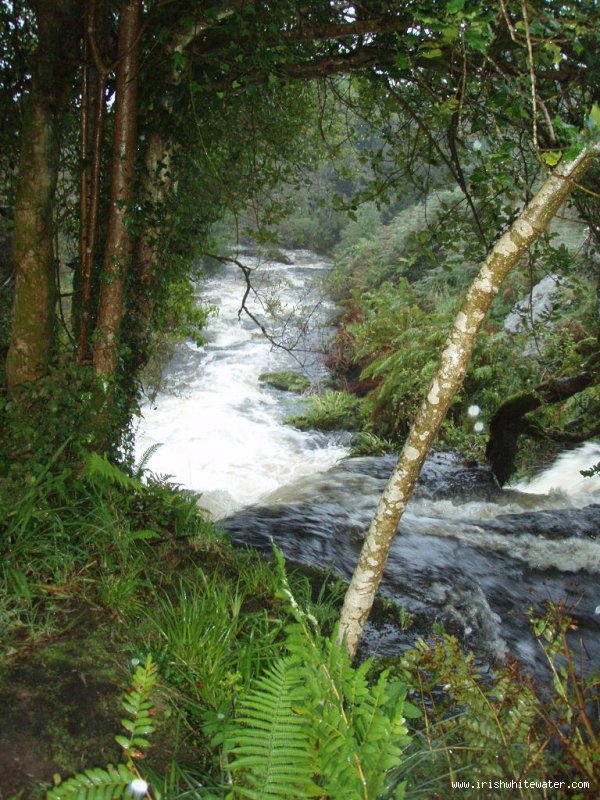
(60,709)
(287,381)
(332,411)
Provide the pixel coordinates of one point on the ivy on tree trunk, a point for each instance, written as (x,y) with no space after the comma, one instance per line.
(33,312)
(117,253)
(447,381)
(156,184)
(93,108)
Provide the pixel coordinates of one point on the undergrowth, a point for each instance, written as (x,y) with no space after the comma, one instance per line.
(258,698)
(497,731)
(330,411)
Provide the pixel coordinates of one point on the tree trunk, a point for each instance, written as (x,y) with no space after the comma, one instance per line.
(453,365)
(510,420)
(117,254)
(157,182)
(92,134)
(52,71)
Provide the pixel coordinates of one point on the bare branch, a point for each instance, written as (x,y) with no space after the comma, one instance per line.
(278,342)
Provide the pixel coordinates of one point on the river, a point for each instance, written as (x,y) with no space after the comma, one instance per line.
(471,557)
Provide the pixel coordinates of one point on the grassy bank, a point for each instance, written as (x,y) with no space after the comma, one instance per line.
(105,577)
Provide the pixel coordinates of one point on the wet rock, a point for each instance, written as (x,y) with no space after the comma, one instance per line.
(555,524)
(443,475)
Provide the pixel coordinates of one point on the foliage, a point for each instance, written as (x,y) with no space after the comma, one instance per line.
(372,252)
(66,406)
(312,724)
(401,282)
(480,726)
(330,411)
(65,520)
(206,639)
(119,782)
(366,443)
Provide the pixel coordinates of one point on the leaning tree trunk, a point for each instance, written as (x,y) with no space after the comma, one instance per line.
(453,365)
(52,71)
(117,253)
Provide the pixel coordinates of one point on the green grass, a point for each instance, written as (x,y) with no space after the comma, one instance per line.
(96,544)
(331,411)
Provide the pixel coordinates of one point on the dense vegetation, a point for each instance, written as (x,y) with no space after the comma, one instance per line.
(399,282)
(130,132)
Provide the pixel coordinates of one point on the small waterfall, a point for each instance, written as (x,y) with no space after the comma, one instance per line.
(564,477)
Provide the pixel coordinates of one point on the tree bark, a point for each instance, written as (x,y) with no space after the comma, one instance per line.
(450,374)
(52,72)
(117,254)
(157,182)
(92,134)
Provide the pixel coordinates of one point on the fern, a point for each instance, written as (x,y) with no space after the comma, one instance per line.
(139,707)
(114,783)
(111,783)
(140,467)
(313,726)
(98,470)
(272,738)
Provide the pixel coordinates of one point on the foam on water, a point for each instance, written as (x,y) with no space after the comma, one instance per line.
(564,478)
(222,432)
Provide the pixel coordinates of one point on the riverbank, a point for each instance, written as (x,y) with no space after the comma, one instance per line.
(214,620)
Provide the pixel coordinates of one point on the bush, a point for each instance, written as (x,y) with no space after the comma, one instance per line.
(479,726)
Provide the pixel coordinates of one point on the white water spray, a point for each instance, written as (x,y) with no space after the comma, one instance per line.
(221,430)
(564,477)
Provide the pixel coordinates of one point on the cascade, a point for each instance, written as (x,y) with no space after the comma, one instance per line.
(469,555)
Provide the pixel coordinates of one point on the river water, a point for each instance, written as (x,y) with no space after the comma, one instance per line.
(471,557)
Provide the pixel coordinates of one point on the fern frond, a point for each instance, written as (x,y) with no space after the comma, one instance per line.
(111,783)
(313,725)
(97,469)
(140,467)
(271,740)
(138,706)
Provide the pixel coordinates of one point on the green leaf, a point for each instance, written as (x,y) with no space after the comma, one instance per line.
(594,116)
(145,534)
(179,60)
(573,151)
(432,52)
(123,741)
(410,711)
(551,157)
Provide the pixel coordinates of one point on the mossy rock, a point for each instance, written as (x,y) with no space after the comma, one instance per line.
(287,381)
(332,411)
